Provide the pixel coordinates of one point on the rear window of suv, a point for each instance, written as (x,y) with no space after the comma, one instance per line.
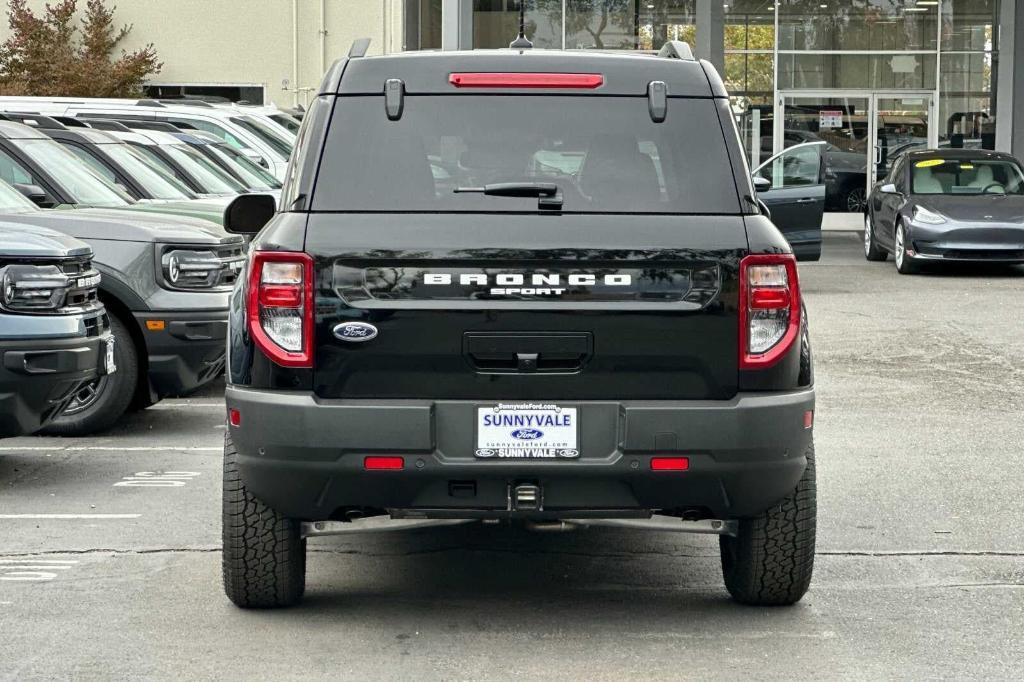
(605,154)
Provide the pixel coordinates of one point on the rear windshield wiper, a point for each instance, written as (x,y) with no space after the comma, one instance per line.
(547,193)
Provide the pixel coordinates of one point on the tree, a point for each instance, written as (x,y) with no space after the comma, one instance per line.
(46,57)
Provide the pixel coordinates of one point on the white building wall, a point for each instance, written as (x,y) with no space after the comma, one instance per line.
(207,42)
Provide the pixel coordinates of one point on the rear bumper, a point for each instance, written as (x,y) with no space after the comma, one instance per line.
(186,352)
(304,456)
(39,377)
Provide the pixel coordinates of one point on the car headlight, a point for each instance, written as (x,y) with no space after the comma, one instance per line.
(201,268)
(33,288)
(923,215)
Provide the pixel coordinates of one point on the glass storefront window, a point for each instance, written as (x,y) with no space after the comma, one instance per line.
(749,74)
(588,24)
(749,25)
(601,25)
(815,71)
(422,25)
(496,23)
(867,25)
(967,25)
(965,101)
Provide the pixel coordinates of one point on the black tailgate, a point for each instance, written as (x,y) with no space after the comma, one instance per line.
(603,307)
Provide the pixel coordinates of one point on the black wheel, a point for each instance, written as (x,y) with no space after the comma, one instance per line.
(855,200)
(264,555)
(871,250)
(905,265)
(770,560)
(99,404)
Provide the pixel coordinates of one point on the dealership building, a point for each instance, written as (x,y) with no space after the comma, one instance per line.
(870,77)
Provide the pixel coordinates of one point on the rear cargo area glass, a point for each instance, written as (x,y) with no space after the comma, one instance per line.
(605,154)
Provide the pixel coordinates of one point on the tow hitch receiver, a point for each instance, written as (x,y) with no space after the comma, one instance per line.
(525,497)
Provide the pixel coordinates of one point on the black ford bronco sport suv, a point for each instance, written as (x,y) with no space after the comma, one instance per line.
(518,285)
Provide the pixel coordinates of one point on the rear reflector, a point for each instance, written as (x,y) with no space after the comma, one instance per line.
(383,463)
(808,419)
(235,417)
(670,463)
(576,81)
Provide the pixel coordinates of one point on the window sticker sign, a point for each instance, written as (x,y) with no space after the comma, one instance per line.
(830,118)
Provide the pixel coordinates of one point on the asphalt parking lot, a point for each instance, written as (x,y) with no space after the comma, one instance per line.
(109,546)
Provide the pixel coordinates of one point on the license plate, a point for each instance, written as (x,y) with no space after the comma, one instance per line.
(109,366)
(527,431)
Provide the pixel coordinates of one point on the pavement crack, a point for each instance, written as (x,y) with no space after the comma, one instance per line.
(520,551)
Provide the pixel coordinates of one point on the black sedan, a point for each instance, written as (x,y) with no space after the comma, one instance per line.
(947,205)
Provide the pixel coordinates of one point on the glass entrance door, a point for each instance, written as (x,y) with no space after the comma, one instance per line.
(842,121)
(863,132)
(901,123)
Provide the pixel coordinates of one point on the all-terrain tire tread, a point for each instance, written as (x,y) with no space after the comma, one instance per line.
(770,561)
(264,556)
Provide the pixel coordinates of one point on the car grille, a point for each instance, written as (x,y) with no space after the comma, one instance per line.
(50,287)
(985,254)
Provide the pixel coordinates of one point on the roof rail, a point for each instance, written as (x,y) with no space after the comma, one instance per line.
(34,120)
(186,102)
(676,49)
(153,125)
(106,124)
(149,103)
(359,48)
(71,121)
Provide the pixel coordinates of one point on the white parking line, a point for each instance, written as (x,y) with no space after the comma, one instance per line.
(176,406)
(100,448)
(32,570)
(157,479)
(68,517)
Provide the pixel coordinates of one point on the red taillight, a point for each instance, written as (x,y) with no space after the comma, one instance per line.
(808,419)
(234,417)
(288,296)
(769,299)
(670,463)
(572,81)
(280,306)
(383,463)
(769,308)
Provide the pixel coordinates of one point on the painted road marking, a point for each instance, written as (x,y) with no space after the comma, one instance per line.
(63,517)
(157,479)
(32,570)
(176,406)
(97,448)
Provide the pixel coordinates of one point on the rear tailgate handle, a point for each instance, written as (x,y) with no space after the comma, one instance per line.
(527,352)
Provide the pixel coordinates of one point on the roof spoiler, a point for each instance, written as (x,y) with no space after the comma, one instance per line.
(676,49)
(359,48)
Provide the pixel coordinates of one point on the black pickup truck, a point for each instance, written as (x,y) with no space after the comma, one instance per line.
(518,285)
(54,332)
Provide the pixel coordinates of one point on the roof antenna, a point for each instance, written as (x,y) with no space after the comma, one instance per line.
(521,42)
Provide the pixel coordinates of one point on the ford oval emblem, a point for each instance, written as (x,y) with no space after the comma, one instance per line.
(527,434)
(355,332)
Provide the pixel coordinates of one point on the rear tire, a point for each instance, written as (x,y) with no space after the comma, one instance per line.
(871,250)
(98,405)
(770,560)
(264,556)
